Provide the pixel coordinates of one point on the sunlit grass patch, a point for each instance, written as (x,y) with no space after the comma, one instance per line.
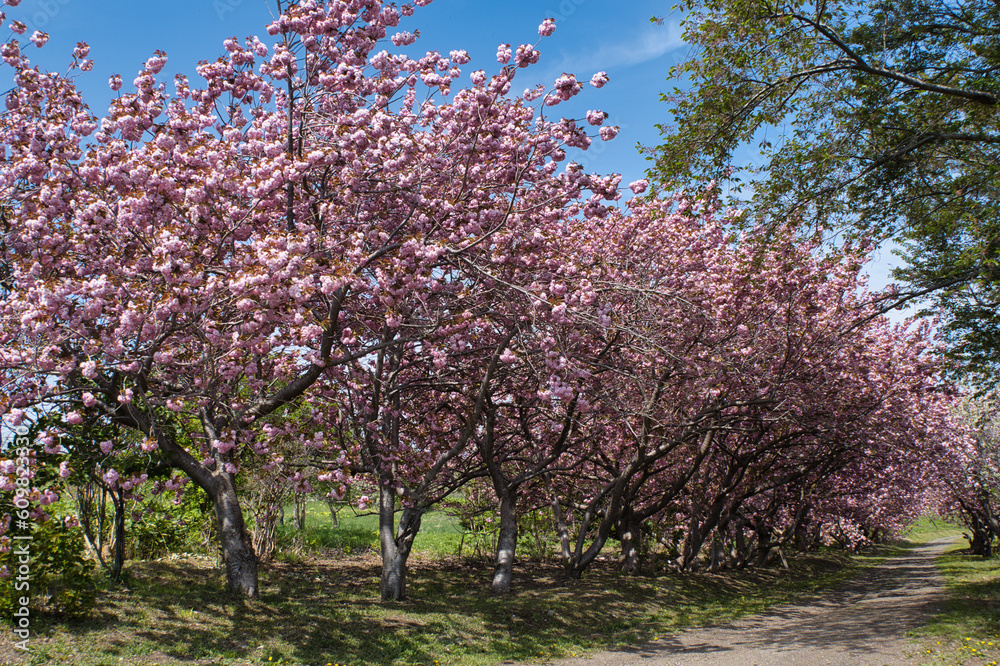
(966,630)
(321,607)
(325,610)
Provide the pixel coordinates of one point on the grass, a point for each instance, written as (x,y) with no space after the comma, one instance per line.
(440,534)
(323,609)
(326,612)
(967,628)
(929,528)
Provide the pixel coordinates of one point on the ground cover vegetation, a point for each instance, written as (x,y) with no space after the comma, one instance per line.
(319,605)
(332,269)
(966,629)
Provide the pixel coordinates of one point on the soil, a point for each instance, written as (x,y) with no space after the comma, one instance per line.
(863,623)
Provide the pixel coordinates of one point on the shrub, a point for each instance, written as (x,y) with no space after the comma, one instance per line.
(62,577)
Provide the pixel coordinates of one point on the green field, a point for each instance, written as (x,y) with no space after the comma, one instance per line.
(319,605)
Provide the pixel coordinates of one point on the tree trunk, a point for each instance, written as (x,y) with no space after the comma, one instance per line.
(237,547)
(234,539)
(718,561)
(333,513)
(506,543)
(300,511)
(264,535)
(764,542)
(85,496)
(631,534)
(118,497)
(396,543)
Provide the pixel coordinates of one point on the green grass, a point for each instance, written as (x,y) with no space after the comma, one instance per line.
(324,609)
(929,528)
(967,629)
(440,534)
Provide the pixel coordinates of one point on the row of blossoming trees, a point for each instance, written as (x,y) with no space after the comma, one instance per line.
(330,248)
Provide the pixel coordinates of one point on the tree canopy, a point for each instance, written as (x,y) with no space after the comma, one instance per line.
(878,119)
(333,263)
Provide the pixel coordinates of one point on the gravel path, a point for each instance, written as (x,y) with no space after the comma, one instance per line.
(862,624)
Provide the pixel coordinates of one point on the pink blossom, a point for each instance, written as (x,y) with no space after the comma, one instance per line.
(639,186)
(608,133)
(503,54)
(526,55)
(64,470)
(106,446)
(155,64)
(17,27)
(566,86)
(39,38)
(547,27)
(12,3)
(74,418)
(111,477)
(115,81)
(596,117)
(598,80)
(82,50)
(404,38)
(223,447)
(15,416)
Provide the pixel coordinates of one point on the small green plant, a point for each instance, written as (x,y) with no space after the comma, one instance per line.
(538,536)
(62,577)
(157,526)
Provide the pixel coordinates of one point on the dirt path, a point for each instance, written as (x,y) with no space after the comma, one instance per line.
(862,624)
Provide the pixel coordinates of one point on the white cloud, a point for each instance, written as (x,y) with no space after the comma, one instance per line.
(651,43)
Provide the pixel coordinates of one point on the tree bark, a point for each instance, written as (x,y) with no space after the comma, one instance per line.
(300,511)
(506,543)
(237,547)
(234,539)
(264,535)
(631,535)
(118,497)
(396,543)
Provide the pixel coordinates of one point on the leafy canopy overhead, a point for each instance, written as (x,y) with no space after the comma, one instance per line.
(876,118)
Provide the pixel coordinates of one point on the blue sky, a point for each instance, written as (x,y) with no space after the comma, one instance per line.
(590,36)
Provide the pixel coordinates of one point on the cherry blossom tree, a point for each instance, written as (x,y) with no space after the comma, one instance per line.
(973,477)
(739,366)
(196,263)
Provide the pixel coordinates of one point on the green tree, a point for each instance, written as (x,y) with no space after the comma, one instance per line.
(878,119)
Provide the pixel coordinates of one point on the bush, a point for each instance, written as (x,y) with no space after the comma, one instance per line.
(62,577)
